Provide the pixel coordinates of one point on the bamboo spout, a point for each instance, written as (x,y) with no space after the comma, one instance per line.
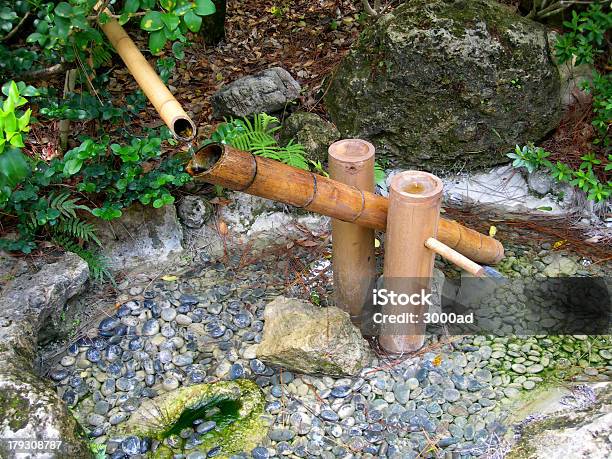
(243,171)
(181,125)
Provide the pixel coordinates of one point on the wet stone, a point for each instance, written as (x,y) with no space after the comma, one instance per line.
(341,391)
(168,330)
(131,445)
(257,366)
(329,415)
(168,314)
(93,355)
(150,327)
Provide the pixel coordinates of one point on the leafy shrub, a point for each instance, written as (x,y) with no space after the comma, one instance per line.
(583,43)
(585,37)
(585,178)
(45,200)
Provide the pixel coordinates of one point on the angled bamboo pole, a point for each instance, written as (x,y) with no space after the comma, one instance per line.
(181,125)
(351,162)
(414,212)
(243,171)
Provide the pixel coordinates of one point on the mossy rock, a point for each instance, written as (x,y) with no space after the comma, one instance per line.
(442,83)
(238,405)
(312,131)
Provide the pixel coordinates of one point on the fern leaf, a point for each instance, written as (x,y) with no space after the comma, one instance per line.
(98,265)
(64,205)
(79,229)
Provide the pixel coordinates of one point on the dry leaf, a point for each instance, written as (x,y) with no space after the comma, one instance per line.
(169,278)
(222,228)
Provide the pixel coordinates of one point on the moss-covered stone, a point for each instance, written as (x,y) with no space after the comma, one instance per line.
(581,431)
(239,425)
(441,83)
(313,132)
(300,337)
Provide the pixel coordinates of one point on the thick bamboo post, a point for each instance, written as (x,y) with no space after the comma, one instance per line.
(242,171)
(181,125)
(351,162)
(414,210)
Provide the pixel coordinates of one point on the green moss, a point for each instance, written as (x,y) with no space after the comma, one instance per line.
(15,409)
(235,406)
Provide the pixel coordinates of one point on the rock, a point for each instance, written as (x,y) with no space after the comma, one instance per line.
(540,181)
(581,431)
(307,339)
(243,434)
(29,406)
(436,83)
(506,191)
(561,265)
(142,236)
(194,211)
(312,131)
(268,91)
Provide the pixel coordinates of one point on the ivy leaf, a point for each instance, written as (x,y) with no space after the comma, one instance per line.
(170,20)
(152,21)
(192,21)
(63,10)
(205,7)
(157,41)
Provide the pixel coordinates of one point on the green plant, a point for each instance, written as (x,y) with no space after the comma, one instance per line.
(529,157)
(257,136)
(171,23)
(533,158)
(585,35)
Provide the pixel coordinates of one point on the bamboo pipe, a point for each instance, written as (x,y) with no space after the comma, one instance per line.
(455,257)
(351,162)
(181,125)
(414,211)
(242,171)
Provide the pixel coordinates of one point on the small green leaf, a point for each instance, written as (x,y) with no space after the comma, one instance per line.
(63,10)
(204,7)
(171,21)
(192,21)
(152,21)
(178,50)
(131,6)
(72,166)
(157,41)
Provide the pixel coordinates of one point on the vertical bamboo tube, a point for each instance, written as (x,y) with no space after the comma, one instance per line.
(156,91)
(414,210)
(351,161)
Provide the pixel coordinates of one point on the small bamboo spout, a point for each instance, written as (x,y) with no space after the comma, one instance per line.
(242,171)
(181,125)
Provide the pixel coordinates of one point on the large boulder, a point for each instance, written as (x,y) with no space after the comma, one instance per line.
(441,83)
(29,405)
(268,91)
(307,339)
(143,236)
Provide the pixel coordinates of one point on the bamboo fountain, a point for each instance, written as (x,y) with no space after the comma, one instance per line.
(411,215)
